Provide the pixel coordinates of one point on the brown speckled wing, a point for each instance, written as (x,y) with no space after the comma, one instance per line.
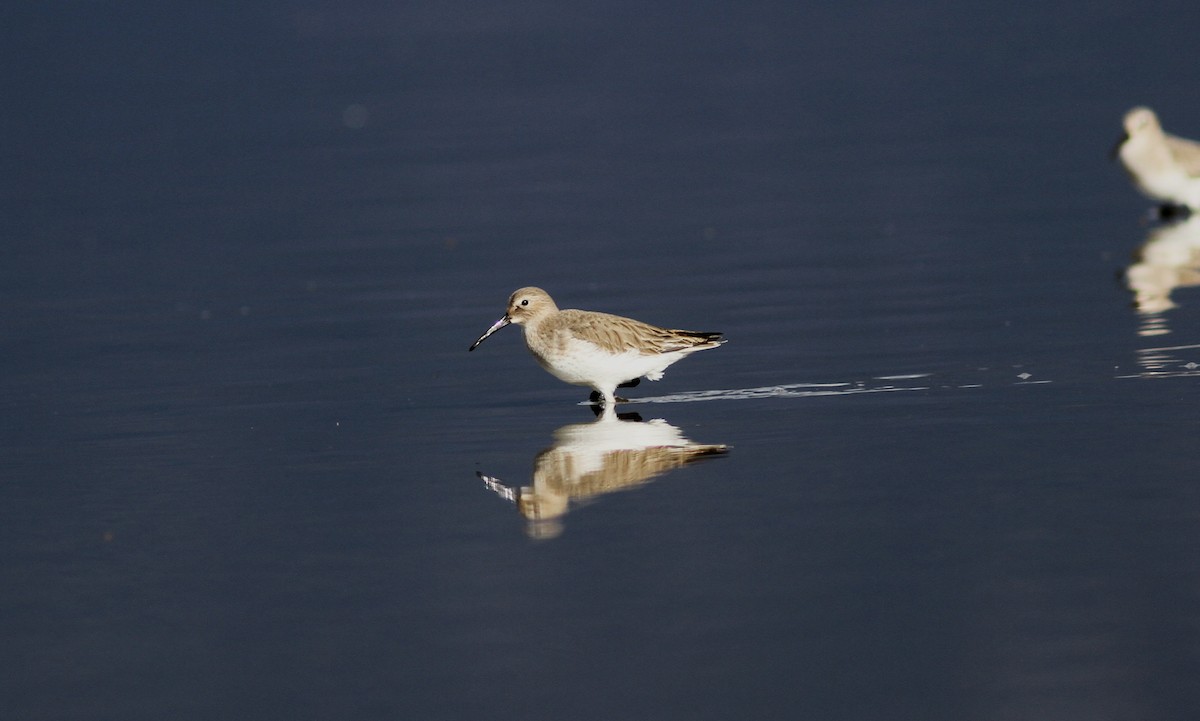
(617,334)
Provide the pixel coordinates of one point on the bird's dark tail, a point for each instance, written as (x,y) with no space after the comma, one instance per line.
(704,338)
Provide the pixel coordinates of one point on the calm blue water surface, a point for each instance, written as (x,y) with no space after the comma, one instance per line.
(243,252)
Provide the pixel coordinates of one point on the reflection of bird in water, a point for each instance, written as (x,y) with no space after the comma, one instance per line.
(589,460)
(1169,259)
(602,351)
(1164,167)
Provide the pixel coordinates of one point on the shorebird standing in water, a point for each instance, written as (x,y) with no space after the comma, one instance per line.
(1164,167)
(598,350)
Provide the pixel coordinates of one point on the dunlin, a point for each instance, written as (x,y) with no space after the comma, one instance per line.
(1164,167)
(598,350)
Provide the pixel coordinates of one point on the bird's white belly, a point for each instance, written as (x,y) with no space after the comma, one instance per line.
(1159,175)
(584,364)
(1172,184)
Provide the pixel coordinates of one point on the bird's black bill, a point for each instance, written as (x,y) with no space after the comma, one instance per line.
(1116,150)
(495,327)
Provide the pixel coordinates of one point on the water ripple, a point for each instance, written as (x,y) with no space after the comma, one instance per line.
(877,384)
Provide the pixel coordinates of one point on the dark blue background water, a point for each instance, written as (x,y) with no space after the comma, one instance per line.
(244,250)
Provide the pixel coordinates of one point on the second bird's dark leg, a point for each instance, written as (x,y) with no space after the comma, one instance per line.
(1171,212)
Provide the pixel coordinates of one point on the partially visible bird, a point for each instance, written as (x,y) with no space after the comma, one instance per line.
(1164,167)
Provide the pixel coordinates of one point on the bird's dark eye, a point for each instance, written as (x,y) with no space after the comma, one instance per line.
(525,302)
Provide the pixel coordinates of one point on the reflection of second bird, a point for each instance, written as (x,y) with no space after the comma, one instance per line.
(1169,259)
(598,350)
(1164,167)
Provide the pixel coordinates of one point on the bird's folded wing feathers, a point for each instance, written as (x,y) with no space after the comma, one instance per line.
(1186,152)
